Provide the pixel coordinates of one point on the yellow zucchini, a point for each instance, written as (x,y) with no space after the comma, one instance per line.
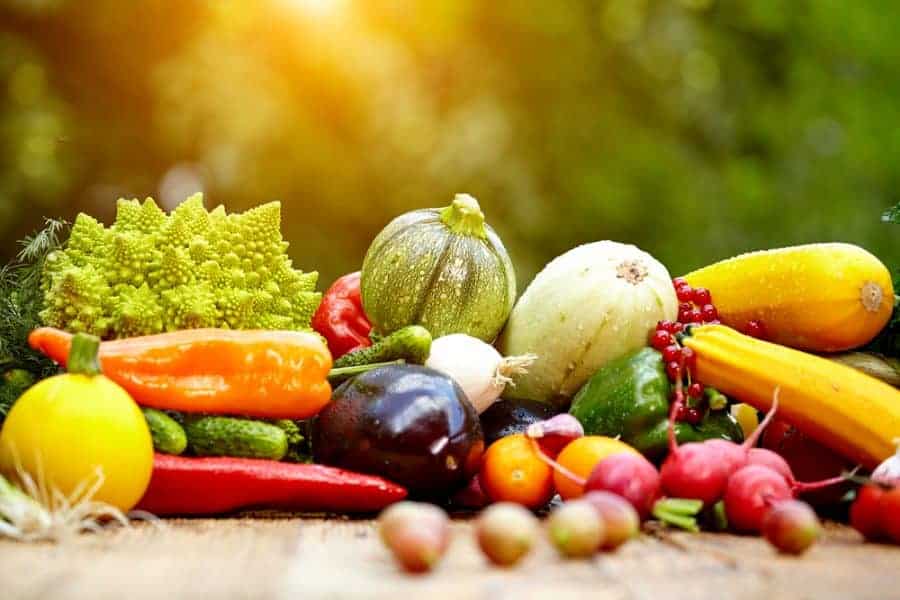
(855,415)
(818,297)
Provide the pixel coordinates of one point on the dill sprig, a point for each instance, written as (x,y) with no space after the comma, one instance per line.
(21,299)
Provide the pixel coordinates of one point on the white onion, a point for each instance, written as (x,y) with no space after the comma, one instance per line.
(476,366)
(888,472)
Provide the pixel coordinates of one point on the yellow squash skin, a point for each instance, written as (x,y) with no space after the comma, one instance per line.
(856,415)
(818,297)
(66,426)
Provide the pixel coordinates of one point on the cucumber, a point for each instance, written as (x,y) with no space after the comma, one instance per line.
(168,436)
(230,436)
(411,344)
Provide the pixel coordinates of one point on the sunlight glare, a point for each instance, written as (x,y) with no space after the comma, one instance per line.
(316,8)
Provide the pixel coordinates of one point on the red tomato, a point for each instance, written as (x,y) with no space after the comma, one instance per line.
(889,513)
(865,512)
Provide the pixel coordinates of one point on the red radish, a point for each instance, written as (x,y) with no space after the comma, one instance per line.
(750,493)
(620,520)
(630,476)
(754,488)
(808,459)
(773,460)
(889,513)
(732,456)
(864,512)
(701,470)
(791,526)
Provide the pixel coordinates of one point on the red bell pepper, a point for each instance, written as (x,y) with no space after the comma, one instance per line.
(183,485)
(340,317)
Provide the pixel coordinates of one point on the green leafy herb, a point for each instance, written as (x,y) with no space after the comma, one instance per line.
(298,437)
(21,299)
(888,341)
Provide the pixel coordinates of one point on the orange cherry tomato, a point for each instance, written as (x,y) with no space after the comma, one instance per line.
(580,457)
(513,472)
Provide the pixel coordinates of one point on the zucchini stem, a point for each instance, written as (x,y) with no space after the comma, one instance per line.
(464,217)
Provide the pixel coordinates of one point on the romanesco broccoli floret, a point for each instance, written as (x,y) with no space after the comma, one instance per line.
(150,272)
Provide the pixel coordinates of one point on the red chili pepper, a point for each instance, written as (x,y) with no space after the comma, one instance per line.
(211,485)
(340,317)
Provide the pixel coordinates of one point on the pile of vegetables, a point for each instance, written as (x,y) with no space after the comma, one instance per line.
(222,374)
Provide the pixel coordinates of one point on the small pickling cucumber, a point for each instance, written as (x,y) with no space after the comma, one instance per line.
(230,436)
(411,344)
(168,436)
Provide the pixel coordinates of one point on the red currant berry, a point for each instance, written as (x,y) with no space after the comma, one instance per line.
(701,296)
(709,313)
(660,339)
(696,315)
(681,413)
(673,370)
(665,325)
(684,312)
(672,353)
(690,359)
(695,390)
(756,329)
(679,281)
(677,327)
(685,293)
(693,416)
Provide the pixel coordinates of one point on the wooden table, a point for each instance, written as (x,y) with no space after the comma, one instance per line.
(303,559)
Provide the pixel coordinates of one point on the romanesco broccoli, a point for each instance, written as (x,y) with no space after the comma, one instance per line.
(150,272)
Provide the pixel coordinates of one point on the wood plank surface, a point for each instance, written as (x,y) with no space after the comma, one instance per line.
(301,559)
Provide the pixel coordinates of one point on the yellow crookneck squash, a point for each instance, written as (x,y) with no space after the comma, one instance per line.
(854,414)
(817,297)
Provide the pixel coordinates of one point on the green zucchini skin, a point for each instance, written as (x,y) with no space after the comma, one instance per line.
(230,436)
(411,343)
(444,269)
(168,436)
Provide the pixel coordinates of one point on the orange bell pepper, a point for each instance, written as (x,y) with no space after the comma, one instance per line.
(268,374)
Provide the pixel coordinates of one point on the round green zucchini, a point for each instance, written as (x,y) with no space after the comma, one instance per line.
(442,268)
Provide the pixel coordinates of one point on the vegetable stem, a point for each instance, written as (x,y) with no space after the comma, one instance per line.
(346,372)
(464,217)
(679,512)
(83,355)
(681,506)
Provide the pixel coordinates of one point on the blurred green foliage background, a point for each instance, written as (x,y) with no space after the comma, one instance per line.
(695,129)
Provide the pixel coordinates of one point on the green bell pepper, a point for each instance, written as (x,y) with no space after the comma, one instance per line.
(629,399)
